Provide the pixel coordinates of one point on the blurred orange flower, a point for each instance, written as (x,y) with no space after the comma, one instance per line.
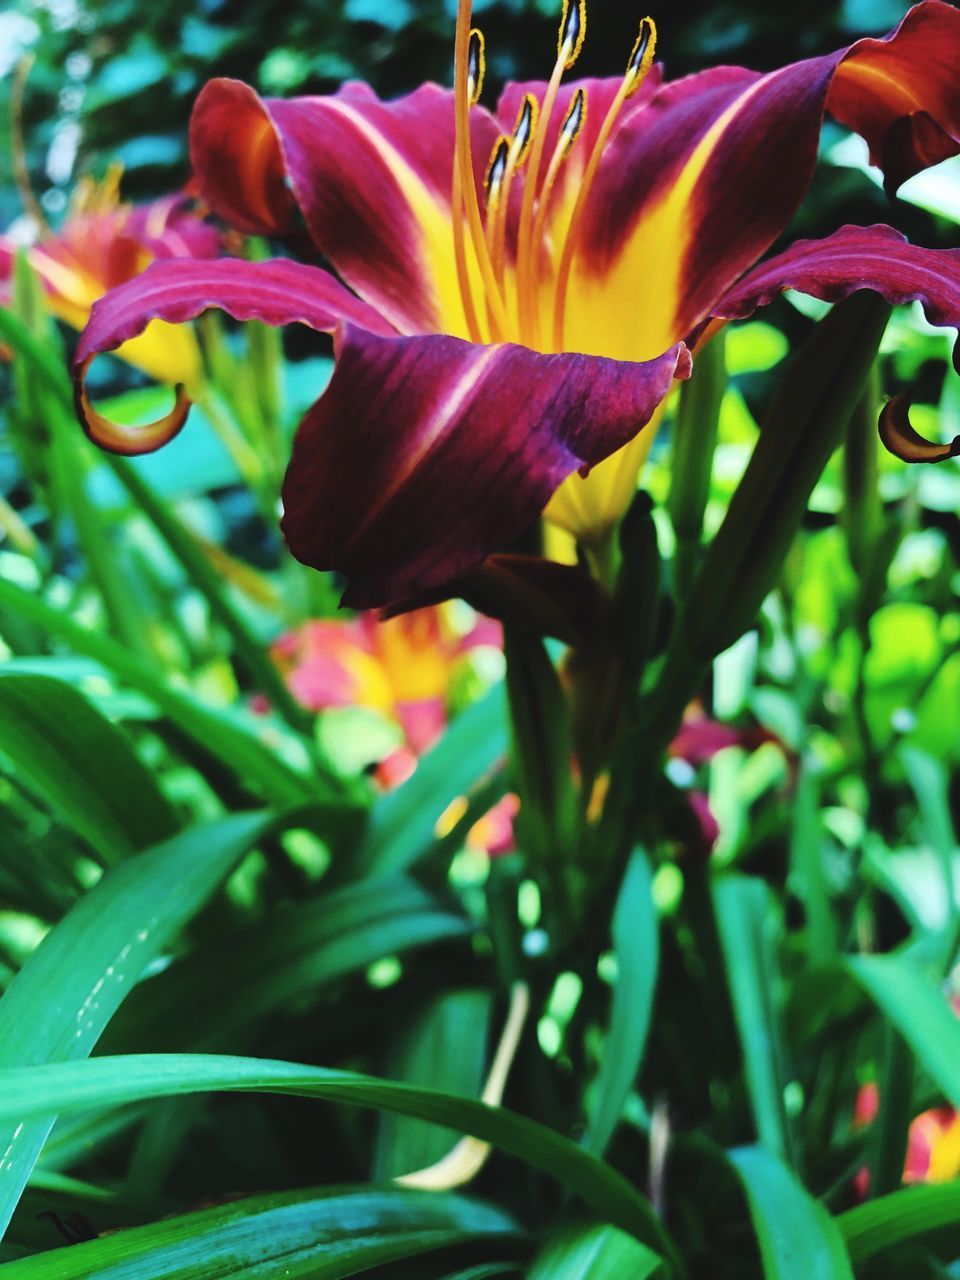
(403,668)
(104,243)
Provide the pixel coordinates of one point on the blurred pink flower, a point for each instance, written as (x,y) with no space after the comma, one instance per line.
(104,243)
(403,667)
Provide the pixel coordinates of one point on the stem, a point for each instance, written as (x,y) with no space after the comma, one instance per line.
(889,1144)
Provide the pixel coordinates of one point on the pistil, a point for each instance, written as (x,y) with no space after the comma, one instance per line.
(573,28)
(638,67)
(468,82)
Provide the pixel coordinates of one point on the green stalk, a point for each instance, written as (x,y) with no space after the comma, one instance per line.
(888,1146)
(694,440)
(803,425)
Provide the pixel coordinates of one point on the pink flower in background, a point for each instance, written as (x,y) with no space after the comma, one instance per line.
(403,668)
(697,741)
(933,1142)
(104,243)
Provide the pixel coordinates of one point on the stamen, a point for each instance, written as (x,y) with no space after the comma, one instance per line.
(519,148)
(573,30)
(571,130)
(641,59)
(493,186)
(464,187)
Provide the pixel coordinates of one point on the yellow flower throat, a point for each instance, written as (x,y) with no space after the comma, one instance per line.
(510,302)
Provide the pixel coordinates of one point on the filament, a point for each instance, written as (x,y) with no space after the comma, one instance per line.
(572,127)
(519,149)
(637,68)
(469,55)
(573,27)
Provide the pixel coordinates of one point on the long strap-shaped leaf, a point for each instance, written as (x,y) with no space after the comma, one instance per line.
(917,1006)
(60,1001)
(324,1235)
(114,1081)
(82,766)
(900,1218)
(223,736)
(798,1238)
(637,950)
(594,1251)
(248,646)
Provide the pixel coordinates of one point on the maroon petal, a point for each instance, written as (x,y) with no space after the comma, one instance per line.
(372,179)
(902,93)
(177,290)
(901,438)
(876,258)
(426,454)
(700,182)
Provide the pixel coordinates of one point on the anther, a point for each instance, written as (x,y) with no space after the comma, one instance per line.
(524,129)
(573,31)
(573,123)
(476,66)
(496,170)
(642,57)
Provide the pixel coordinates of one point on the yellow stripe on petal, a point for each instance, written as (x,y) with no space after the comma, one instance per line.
(432,215)
(589,507)
(632,310)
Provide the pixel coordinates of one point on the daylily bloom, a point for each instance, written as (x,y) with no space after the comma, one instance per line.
(933,1141)
(402,668)
(513,289)
(104,243)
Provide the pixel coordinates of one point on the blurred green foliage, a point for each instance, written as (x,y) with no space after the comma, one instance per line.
(184,870)
(114,79)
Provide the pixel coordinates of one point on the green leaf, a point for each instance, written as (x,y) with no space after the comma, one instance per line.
(82,766)
(60,1001)
(320,1235)
(229,738)
(636,948)
(806,861)
(105,1082)
(401,824)
(594,1251)
(903,1216)
(443,1045)
(918,1008)
(798,1238)
(249,647)
(302,951)
(748,926)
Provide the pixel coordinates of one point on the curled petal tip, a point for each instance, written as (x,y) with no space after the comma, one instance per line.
(126,440)
(901,439)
